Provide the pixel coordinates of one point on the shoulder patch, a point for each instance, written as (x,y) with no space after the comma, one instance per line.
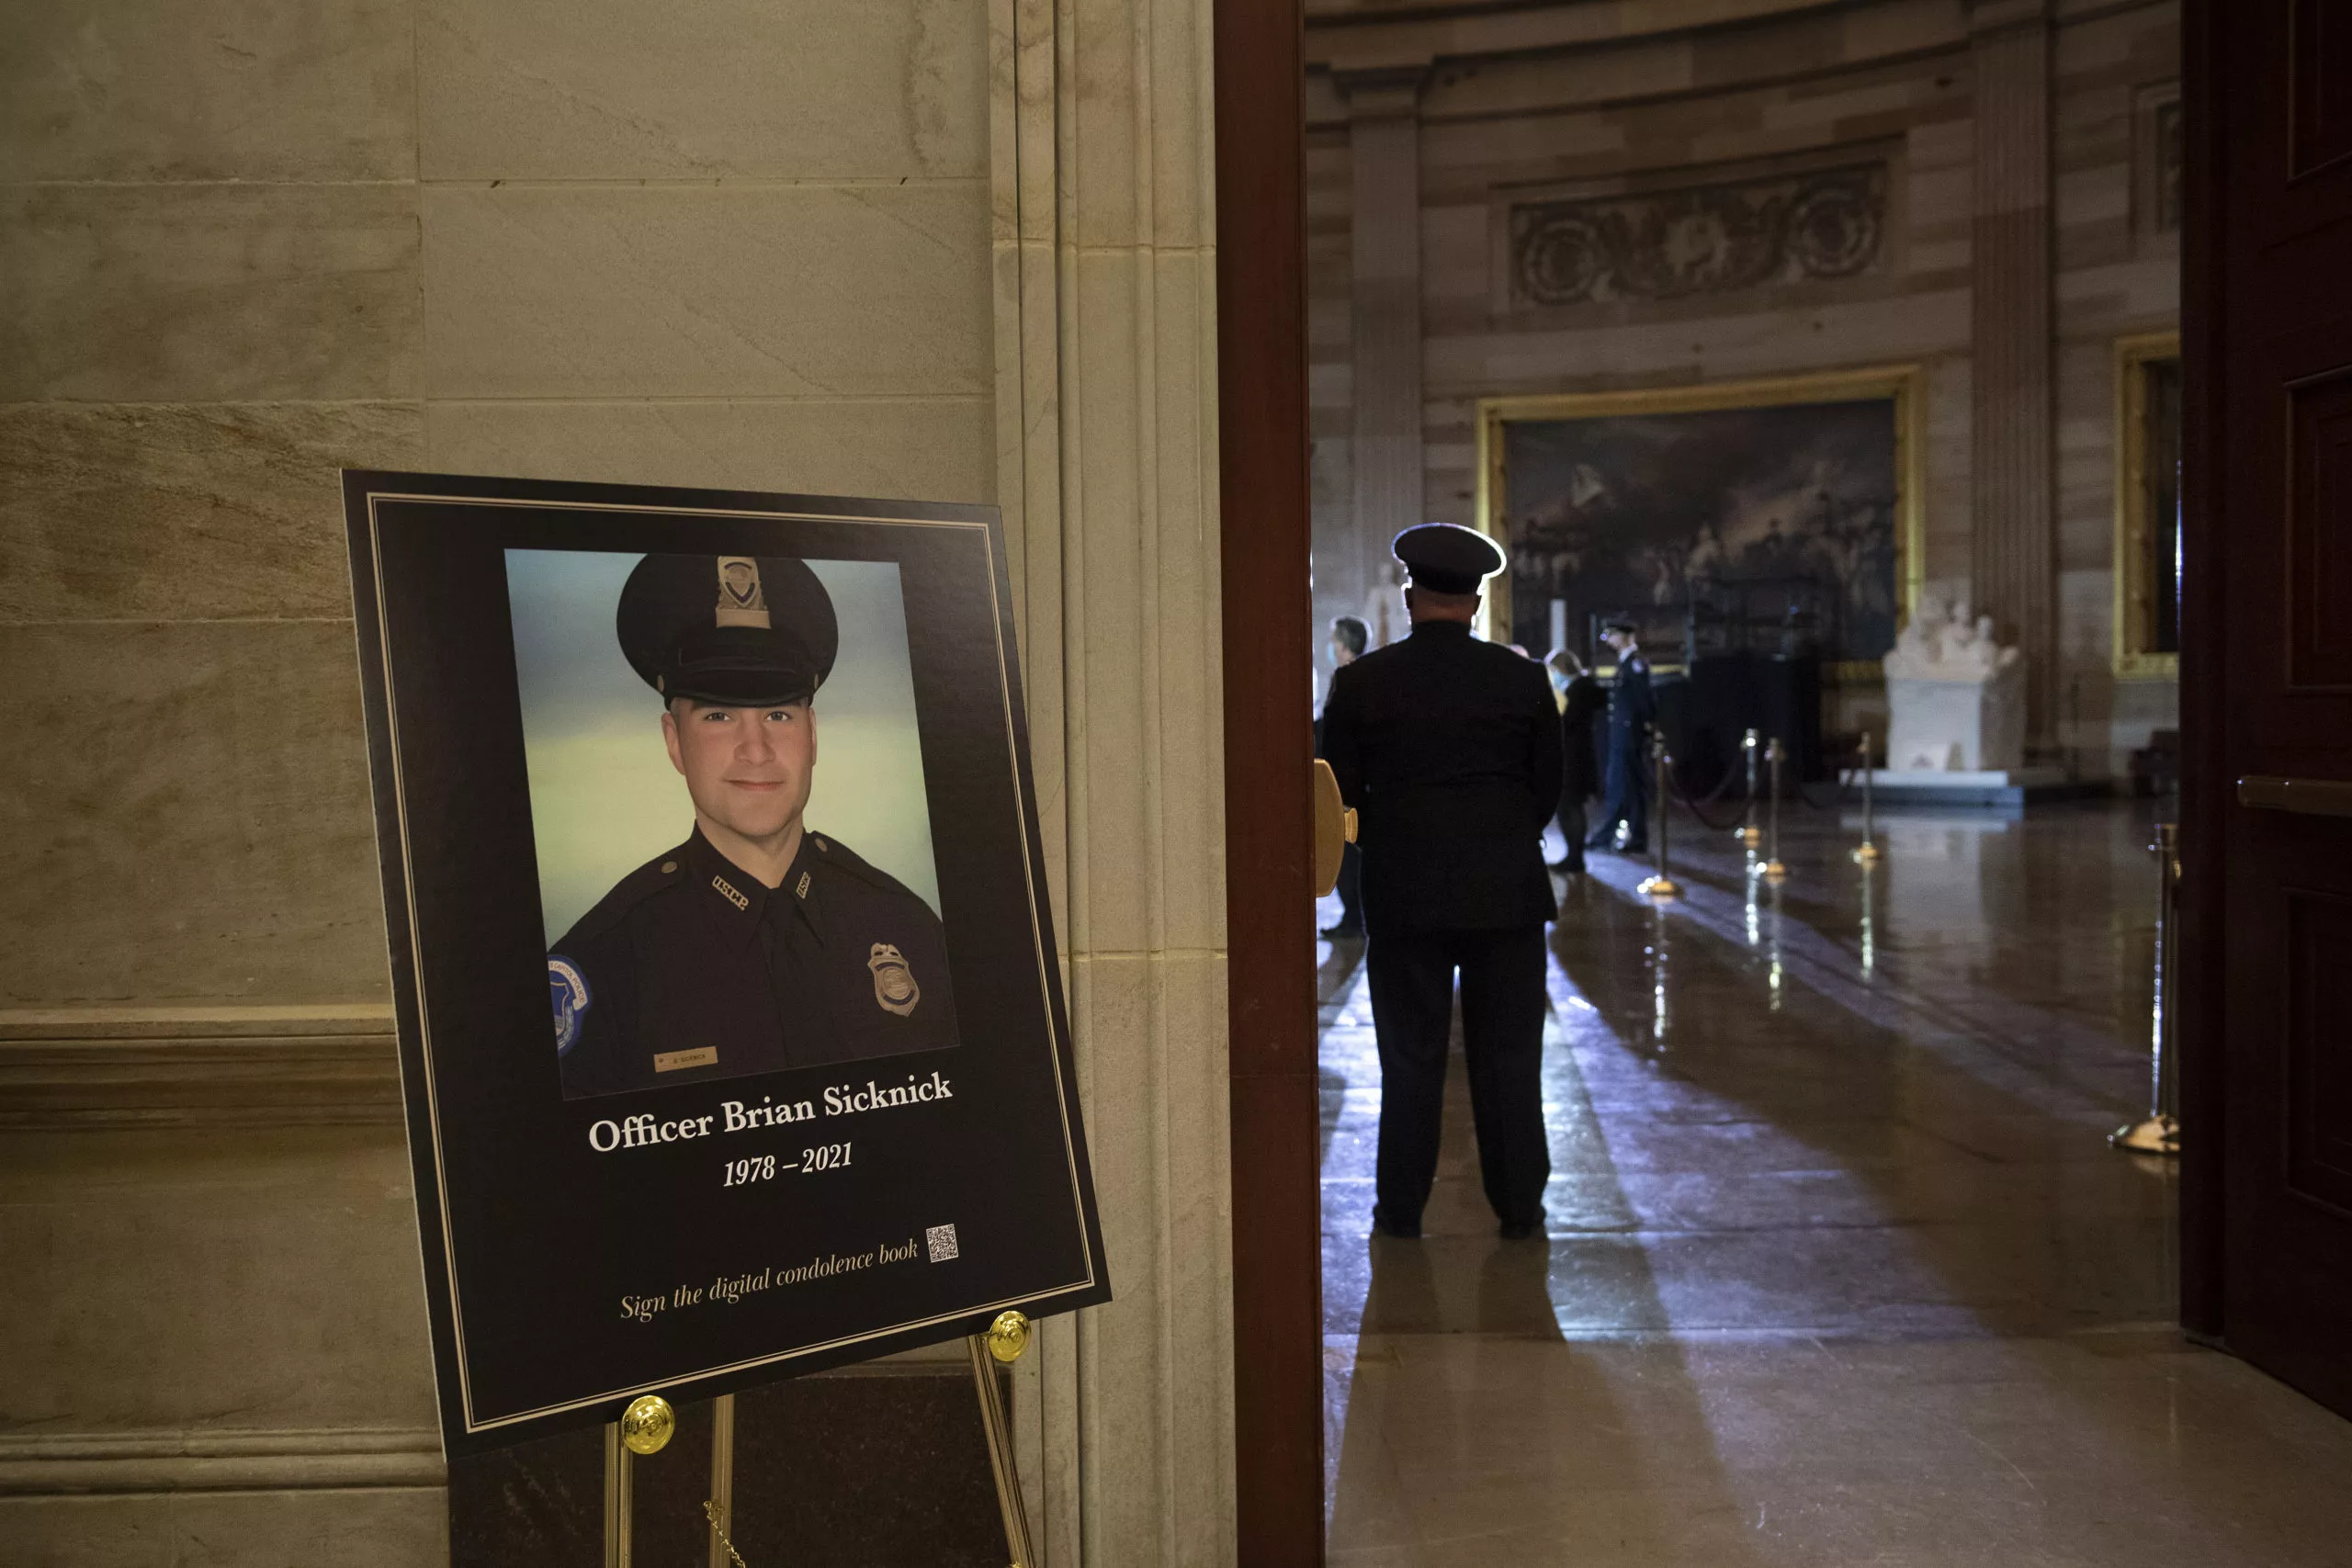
(568,994)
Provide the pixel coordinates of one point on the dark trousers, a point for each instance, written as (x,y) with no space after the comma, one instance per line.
(1350,887)
(1572,831)
(1502,1030)
(1628,800)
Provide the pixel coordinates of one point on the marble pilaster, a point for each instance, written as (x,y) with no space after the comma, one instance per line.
(1384,337)
(2012,551)
(1106,468)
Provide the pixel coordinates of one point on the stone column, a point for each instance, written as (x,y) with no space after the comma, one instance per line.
(2012,553)
(1385,153)
(1107,472)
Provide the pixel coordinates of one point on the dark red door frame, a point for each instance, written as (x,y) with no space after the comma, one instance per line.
(2205,643)
(1269,857)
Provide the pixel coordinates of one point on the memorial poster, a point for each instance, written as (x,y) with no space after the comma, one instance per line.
(731,1036)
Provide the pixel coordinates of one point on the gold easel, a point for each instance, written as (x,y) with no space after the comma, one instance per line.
(649,1423)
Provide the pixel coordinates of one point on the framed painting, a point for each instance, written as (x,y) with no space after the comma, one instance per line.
(2147,506)
(1787,511)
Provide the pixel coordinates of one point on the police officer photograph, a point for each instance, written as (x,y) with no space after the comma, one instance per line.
(757,942)
(1449,748)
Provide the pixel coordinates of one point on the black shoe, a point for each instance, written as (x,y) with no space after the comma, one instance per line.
(1520,1230)
(1344,933)
(1383,1225)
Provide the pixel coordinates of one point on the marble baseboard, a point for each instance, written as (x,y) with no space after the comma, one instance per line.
(364,1527)
(1995,789)
(162,1067)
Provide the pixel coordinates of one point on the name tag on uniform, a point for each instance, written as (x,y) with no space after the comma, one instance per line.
(671,1061)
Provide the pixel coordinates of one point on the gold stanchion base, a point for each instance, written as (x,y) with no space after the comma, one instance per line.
(2154,1135)
(1867,851)
(1659,887)
(1751,837)
(1773,871)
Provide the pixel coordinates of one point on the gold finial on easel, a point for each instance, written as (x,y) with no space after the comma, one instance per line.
(1008,1336)
(647,1424)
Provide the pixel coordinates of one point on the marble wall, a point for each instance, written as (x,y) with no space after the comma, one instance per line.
(817,246)
(1568,103)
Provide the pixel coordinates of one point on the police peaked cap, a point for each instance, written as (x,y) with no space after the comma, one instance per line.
(1446,558)
(735,630)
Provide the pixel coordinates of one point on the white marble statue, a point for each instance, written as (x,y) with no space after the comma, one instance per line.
(1955,696)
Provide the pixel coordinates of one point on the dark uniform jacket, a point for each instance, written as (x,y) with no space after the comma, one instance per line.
(690,968)
(1579,742)
(1633,706)
(1449,747)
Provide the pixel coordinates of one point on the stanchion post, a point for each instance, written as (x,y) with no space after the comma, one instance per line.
(1772,868)
(2158,1133)
(1748,832)
(1658,885)
(1868,850)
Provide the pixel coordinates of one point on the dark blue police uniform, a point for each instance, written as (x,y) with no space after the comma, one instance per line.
(690,968)
(1633,709)
(1449,748)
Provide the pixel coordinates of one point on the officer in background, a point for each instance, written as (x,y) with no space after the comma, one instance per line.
(1350,637)
(1633,709)
(756,944)
(1450,749)
(1582,703)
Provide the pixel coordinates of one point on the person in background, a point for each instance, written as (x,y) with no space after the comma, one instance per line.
(1581,703)
(1348,639)
(1450,748)
(1633,709)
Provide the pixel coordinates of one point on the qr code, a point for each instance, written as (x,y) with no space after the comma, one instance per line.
(943,1242)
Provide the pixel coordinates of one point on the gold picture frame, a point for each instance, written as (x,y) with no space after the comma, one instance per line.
(2136,657)
(1903,385)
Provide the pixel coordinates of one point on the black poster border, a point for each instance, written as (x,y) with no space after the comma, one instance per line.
(467,1428)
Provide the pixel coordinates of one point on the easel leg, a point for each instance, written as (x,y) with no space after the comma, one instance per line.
(722,1480)
(616,1501)
(1001,1460)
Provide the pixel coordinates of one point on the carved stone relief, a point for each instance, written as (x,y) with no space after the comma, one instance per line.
(1828,224)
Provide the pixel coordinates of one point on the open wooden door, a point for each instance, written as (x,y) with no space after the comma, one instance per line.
(1269,807)
(2267,687)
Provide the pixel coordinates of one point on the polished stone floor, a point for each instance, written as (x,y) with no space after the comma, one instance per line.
(1840,1269)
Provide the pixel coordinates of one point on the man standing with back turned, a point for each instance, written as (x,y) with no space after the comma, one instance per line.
(1450,749)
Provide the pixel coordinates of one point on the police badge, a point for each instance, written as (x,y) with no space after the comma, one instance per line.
(894,983)
(741,601)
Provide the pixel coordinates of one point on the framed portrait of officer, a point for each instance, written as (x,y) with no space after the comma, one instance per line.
(733,1042)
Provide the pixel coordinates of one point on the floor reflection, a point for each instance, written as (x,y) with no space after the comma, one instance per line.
(1838,1268)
